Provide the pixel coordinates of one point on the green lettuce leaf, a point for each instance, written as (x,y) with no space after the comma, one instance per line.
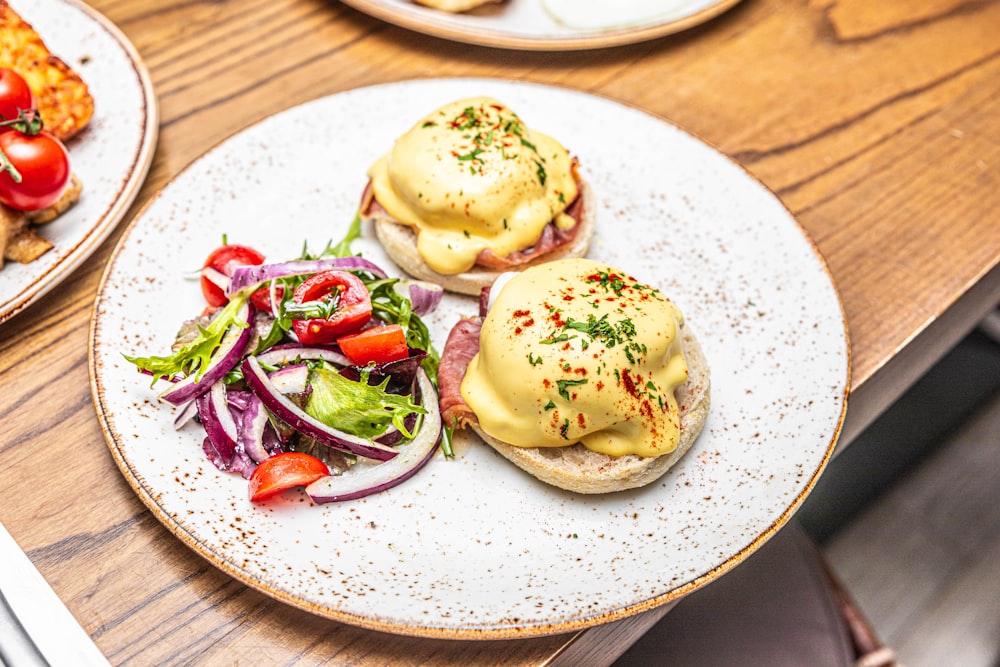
(358,408)
(194,357)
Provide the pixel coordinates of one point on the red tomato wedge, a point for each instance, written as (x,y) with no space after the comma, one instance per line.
(282,471)
(344,294)
(224,259)
(377,344)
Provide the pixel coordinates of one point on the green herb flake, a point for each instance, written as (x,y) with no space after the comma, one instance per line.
(559,338)
(542,176)
(563,384)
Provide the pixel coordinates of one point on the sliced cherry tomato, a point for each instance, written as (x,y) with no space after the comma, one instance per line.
(224,259)
(42,164)
(261,299)
(15,95)
(377,344)
(284,470)
(353,306)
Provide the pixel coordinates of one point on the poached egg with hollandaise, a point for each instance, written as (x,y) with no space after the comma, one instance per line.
(471,177)
(576,351)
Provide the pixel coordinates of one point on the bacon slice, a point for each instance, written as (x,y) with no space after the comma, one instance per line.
(462,345)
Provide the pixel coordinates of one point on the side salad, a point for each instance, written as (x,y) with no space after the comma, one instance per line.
(315,372)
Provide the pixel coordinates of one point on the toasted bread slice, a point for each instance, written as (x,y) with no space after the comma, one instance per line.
(19,242)
(576,468)
(66,201)
(400,243)
(62,97)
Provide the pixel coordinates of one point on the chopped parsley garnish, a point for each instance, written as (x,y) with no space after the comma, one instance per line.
(491,128)
(554,338)
(601,329)
(541,172)
(471,155)
(563,384)
(611,282)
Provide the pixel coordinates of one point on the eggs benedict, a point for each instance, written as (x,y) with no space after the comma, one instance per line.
(580,375)
(470,192)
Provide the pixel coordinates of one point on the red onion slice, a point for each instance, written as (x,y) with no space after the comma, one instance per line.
(185,414)
(218,422)
(216,277)
(251,437)
(284,409)
(424,297)
(279,355)
(291,379)
(234,343)
(249,276)
(364,479)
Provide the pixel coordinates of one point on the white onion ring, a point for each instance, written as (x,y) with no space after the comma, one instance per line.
(365,479)
(285,410)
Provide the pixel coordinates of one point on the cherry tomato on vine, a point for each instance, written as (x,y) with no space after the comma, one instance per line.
(15,95)
(224,259)
(283,471)
(42,166)
(340,292)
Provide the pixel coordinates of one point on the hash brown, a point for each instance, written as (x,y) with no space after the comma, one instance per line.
(62,97)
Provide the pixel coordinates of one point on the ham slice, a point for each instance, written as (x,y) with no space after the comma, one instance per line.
(551,239)
(462,345)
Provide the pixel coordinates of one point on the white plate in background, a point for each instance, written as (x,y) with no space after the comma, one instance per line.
(527,25)
(111,155)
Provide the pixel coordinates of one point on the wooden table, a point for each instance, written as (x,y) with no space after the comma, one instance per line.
(878,124)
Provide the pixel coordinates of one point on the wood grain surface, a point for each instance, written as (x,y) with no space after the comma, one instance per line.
(878,124)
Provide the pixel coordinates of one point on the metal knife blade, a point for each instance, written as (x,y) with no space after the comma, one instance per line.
(49,634)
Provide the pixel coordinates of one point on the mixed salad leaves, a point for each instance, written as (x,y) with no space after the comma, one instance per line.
(316,372)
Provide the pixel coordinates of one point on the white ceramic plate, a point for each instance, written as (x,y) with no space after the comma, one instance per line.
(526,25)
(472,547)
(111,156)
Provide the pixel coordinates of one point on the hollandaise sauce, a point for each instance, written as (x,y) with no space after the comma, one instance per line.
(577,351)
(471,176)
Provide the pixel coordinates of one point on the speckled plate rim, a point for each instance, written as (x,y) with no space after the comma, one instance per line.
(142,159)
(465,29)
(583,622)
